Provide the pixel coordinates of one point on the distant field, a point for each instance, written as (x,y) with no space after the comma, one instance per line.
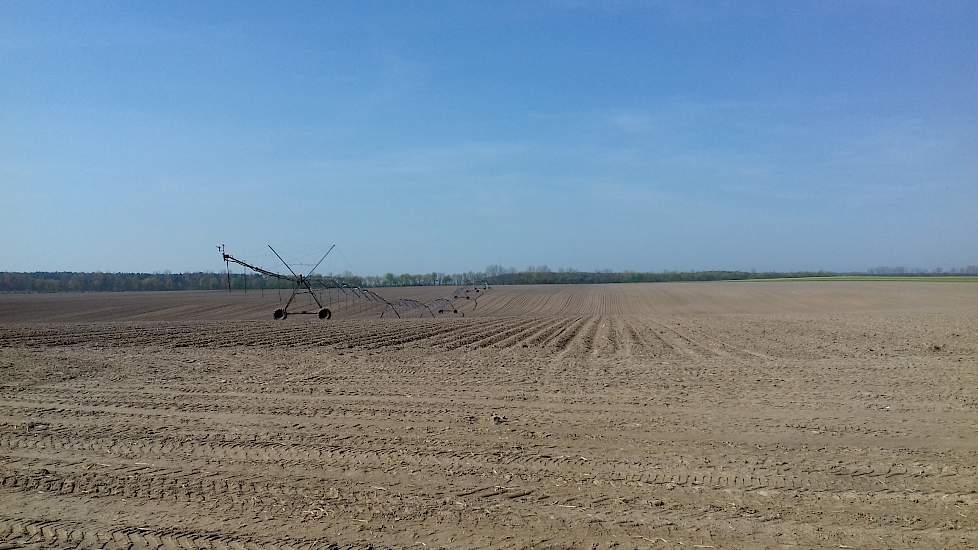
(776,414)
(686,298)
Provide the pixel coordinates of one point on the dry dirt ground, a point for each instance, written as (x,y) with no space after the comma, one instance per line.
(709,415)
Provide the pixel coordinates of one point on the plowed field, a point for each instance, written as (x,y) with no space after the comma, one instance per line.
(708,415)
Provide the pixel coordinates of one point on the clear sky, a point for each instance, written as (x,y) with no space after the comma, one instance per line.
(445,136)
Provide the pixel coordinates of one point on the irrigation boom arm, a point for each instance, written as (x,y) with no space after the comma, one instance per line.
(230,258)
(300,279)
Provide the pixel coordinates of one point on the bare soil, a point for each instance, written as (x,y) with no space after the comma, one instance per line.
(705,415)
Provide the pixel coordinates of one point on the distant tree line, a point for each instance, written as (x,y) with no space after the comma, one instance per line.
(585,277)
(919,271)
(68,281)
(71,281)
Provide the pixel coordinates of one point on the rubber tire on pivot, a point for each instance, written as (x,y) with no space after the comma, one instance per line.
(279,314)
(325,313)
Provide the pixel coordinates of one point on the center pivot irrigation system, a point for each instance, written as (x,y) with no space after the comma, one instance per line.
(301,284)
(353,299)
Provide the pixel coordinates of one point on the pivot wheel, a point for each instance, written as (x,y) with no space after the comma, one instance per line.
(279,314)
(325,313)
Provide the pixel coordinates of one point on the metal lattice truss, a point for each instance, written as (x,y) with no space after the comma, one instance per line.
(328,294)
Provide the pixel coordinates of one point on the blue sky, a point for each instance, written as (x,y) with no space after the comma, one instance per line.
(446,136)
